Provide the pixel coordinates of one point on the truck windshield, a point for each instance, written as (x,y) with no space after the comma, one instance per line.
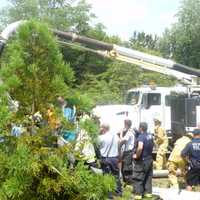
(132,98)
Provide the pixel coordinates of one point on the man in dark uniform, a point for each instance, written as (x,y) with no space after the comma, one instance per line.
(143,163)
(192,154)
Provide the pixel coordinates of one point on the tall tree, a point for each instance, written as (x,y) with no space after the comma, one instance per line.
(33,72)
(61,14)
(182,41)
(33,62)
(143,41)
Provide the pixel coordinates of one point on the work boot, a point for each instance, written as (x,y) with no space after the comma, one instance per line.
(137,197)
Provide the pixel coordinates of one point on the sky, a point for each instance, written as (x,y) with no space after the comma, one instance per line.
(123,17)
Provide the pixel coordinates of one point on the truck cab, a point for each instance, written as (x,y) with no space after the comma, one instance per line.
(144,104)
(154,101)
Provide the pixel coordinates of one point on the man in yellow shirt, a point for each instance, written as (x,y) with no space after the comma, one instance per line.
(177,164)
(161,141)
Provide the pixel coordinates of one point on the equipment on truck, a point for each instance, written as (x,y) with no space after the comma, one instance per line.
(179,106)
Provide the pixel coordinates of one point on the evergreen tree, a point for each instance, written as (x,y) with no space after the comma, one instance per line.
(34,74)
(33,70)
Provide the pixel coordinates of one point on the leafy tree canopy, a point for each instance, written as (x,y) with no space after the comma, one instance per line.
(60,14)
(142,41)
(181,42)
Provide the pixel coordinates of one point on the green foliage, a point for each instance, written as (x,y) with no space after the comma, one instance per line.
(34,73)
(5,116)
(111,86)
(159,79)
(81,100)
(98,32)
(102,80)
(144,42)
(35,172)
(32,64)
(91,128)
(182,40)
(98,90)
(60,14)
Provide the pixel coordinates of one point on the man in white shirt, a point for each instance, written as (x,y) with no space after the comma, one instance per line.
(109,149)
(127,141)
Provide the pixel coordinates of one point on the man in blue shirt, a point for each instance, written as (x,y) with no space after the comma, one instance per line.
(143,163)
(192,154)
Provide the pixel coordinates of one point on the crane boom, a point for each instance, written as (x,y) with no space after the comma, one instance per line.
(146,61)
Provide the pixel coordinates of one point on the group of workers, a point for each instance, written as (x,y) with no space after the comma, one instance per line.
(131,152)
(183,161)
(117,152)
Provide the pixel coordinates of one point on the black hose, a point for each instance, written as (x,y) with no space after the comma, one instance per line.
(95,44)
(186,69)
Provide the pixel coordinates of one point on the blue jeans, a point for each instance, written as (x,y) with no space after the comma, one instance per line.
(110,166)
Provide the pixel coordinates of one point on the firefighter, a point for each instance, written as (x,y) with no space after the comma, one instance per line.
(161,142)
(192,154)
(176,164)
(143,163)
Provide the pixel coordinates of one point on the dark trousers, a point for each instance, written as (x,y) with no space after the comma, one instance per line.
(193,177)
(110,166)
(127,167)
(142,176)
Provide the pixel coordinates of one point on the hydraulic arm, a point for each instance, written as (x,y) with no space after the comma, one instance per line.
(153,63)
(186,74)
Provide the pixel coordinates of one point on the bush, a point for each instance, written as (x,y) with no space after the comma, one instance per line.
(34,73)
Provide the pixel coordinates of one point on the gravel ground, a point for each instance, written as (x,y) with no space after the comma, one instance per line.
(157,182)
